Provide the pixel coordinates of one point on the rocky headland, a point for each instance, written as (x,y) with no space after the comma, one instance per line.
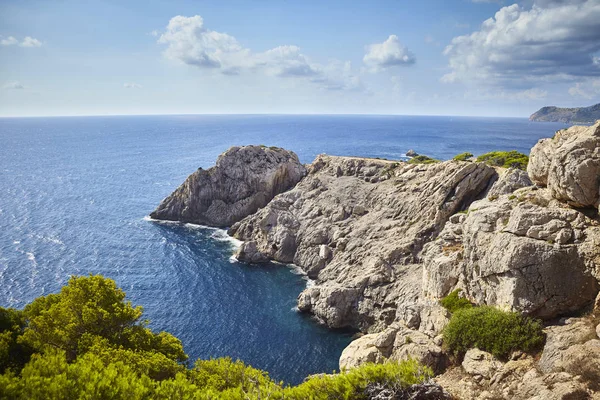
(581,115)
(384,241)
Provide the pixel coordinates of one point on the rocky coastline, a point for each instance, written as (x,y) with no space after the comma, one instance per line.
(384,241)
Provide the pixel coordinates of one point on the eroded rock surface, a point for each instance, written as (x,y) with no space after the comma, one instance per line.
(357,226)
(524,251)
(243,180)
(569,165)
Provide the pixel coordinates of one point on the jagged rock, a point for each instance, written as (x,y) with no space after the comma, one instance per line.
(526,252)
(243,180)
(421,391)
(569,164)
(561,338)
(480,363)
(509,181)
(411,153)
(375,231)
(398,343)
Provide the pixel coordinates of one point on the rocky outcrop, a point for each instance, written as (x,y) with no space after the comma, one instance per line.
(524,251)
(396,343)
(569,368)
(243,180)
(508,181)
(357,227)
(569,165)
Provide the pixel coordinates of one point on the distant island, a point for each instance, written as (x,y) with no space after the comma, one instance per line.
(567,115)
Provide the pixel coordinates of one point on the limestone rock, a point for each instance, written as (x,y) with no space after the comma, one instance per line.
(480,363)
(569,164)
(397,343)
(561,338)
(524,251)
(357,227)
(509,181)
(243,180)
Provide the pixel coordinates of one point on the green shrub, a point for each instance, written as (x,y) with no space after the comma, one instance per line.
(463,157)
(505,159)
(453,302)
(353,384)
(423,160)
(492,330)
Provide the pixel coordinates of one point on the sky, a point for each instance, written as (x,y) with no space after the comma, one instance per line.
(426,57)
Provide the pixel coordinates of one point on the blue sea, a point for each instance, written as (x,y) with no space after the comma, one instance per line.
(75,193)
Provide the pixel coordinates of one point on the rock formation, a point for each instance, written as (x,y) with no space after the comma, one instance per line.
(357,227)
(569,165)
(243,180)
(384,241)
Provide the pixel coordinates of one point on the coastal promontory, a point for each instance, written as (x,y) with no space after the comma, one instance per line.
(393,247)
(243,180)
(581,115)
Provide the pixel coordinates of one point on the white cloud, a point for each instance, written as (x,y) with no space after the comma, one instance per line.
(9,41)
(131,85)
(587,90)
(390,53)
(190,42)
(13,85)
(510,95)
(554,40)
(30,42)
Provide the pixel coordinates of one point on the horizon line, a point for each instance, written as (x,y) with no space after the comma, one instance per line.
(253,114)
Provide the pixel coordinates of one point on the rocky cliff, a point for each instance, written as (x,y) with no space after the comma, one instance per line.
(385,241)
(580,115)
(243,180)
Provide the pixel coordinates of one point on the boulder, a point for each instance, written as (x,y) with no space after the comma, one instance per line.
(508,181)
(525,251)
(243,180)
(480,363)
(569,165)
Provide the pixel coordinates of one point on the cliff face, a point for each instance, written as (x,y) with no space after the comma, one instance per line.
(243,180)
(357,226)
(567,115)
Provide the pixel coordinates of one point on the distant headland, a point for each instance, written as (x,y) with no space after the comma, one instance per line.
(582,115)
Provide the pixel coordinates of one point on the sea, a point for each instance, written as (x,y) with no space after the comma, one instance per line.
(76,192)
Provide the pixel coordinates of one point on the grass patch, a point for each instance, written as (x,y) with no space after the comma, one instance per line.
(453,302)
(463,156)
(505,159)
(490,329)
(423,160)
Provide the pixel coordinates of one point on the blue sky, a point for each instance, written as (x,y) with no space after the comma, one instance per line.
(462,57)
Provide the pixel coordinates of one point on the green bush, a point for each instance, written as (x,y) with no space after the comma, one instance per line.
(88,342)
(463,156)
(492,330)
(505,159)
(453,302)
(423,160)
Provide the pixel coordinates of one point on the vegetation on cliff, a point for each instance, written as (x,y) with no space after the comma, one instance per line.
(505,159)
(89,342)
(493,330)
(420,159)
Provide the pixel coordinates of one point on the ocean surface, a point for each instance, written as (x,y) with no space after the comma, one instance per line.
(75,193)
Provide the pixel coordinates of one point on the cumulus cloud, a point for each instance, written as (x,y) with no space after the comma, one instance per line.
(189,41)
(13,85)
(131,85)
(9,41)
(587,90)
(554,40)
(28,41)
(390,53)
